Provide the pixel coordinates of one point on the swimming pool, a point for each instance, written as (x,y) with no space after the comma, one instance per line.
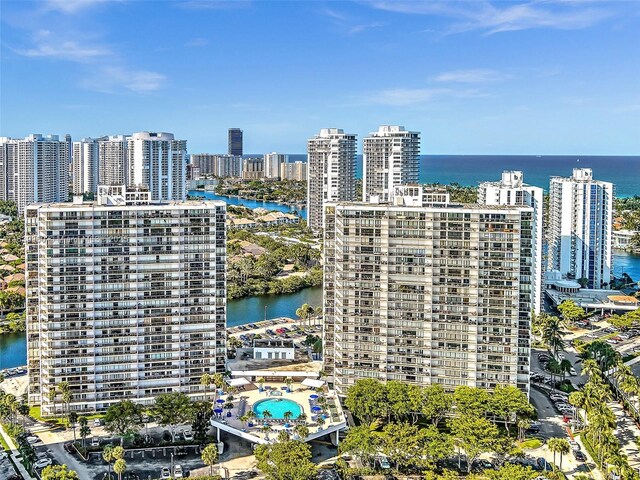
(277,407)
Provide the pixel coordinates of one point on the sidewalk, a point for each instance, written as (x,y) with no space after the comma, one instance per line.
(627,433)
(15,454)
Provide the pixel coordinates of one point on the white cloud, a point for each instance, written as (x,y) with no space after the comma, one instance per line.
(72,6)
(407,97)
(349,25)
(197,42)
(479,75)
(49,45)
(503,17)
(118,79)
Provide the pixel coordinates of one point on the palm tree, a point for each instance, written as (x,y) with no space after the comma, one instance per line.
(560,445)
(301,431)
(302,417)
(287,415)
(51,396)
(107,455)
(552,333)
(65,390)
(218,380)
(266,414)
(565,367)
(554,367)
(210,456)
(73,418)
(523,424)
(85,431)
(205,381)
(305,312)
(119,467)
(266,429)
(288,382)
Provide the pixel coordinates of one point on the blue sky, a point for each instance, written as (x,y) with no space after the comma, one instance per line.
(535,77)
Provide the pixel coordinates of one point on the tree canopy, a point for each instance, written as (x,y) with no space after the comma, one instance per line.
(289,460)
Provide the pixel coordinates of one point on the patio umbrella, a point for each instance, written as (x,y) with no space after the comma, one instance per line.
(316,409)
(313,397)
(219,400)
(286,425)
(217,410)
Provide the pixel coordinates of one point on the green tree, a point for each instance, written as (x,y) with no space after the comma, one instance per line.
(558,445)
(509,403)
(471,401)
(210,456)
(410,447)
(570,311)
(171,410)
(119,467)
(289,460)
(58,472)
(362,441)
(301,431)
(475,435)
(124,418)
(85,431)
(201,417)
(367,400)
(205,381)
(552,334)
(436,403)
(305,312)
(509,471)
(73,419)
(107,455)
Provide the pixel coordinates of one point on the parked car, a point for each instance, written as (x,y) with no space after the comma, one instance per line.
(543,464)
(95,442)
(482,464)
(177,471)
(97,422)
(187,435)
(572,371)
(579,456)
(68,447)
(165,473)
(382,461)
(32,439)
(43,462)
(611,341)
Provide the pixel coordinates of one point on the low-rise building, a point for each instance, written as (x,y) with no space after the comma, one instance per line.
(267,349)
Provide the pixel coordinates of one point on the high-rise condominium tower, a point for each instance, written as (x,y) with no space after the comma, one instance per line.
(272,163)
(580,223)
(112,154)
(331,168)
(294,171)
(34,169)
(85,166)
(158,161)
(391,158)
(235,141)
(126,298)
(427,294)
(512,190)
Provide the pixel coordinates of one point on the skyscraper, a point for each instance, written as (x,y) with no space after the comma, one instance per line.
(272,162)
(34,169)
(252,168)
(126,298)
(235,141)
(391,158)
(512,190)
(158,161)
(331,168)
(580,223)
(427,294)
(112,153)
(85,166)
(294,171)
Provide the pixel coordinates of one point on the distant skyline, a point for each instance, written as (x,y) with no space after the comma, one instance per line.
(535,77)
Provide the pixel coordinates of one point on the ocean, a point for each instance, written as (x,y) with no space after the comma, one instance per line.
(624,172)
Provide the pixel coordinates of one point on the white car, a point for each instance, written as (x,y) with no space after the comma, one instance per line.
(624,336)
(572,371)
(95,442)
(43,462)
(187,435)
(165,473)
(97,422)
(177,471)
(32,439)
(611,341)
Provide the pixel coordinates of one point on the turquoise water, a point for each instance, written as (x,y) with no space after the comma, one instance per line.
(277,407)
(280,207)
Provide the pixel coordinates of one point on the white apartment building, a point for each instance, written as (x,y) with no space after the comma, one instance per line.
(511,190)
(272,163)
(112,163)
(158,161)
(427,294)
(217,165)
(296,171)
(126,298)
(391,158)
(34,169)
(85,166)
(331,169)
(580,226)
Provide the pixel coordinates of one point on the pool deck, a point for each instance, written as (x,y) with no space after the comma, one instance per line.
(243,403)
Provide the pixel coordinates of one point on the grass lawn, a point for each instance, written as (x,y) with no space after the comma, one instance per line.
(4,444)
(35,413)
(531,444)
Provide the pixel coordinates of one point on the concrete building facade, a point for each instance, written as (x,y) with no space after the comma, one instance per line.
(235,142)
(85,164)
(580,227)
(331,171)
(272,163)
(34,169)
(511,190)
(427,294)
(112,163)
(158,161)
(296,171)
(126,298)
(391,158)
